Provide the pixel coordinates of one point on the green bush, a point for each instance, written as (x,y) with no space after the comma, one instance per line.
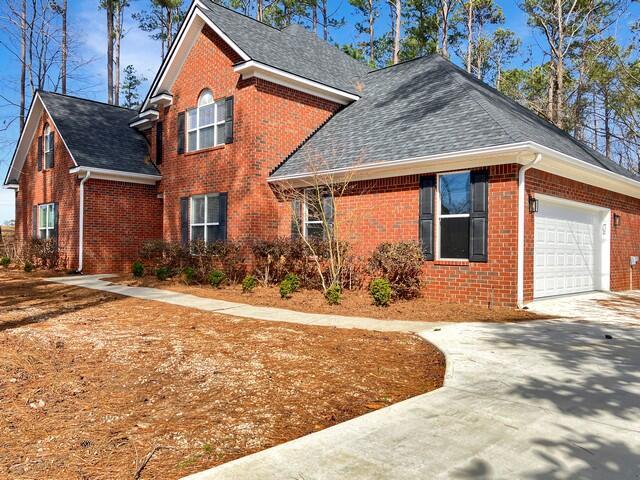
(5,261)
(401,264)
(290,284)
(162,273)
(188,275)
(28,266)
(333,294)
(137,269)
(380,290)
(249,283)
(217,278)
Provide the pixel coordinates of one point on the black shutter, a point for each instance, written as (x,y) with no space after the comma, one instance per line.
(427,190)
(158,143)
(40,153)
(478,221)
(296,218)
(181,132)
(184,220)
(55,223)
(51,151)
(35,221)
(228,121)
(222,219)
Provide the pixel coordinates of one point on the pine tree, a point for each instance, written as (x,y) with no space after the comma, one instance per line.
(130,84)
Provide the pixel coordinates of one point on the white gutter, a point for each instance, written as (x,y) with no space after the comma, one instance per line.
(117,175)
(521,214)
(81,222)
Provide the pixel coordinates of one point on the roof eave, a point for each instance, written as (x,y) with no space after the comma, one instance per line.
(116,175)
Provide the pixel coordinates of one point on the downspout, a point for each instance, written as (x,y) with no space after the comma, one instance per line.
(81,224)
(521,215)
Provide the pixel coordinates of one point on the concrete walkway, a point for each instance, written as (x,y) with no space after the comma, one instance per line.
(554,399)
(98,282)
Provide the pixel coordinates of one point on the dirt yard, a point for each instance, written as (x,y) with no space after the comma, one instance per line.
(354,303)
(92,383)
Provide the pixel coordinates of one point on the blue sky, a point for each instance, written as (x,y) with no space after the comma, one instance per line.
(88,27)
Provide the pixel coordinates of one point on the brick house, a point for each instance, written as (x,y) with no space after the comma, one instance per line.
(507,207)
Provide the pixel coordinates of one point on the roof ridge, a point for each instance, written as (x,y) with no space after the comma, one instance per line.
(75,97)
(481,102)
(404,62)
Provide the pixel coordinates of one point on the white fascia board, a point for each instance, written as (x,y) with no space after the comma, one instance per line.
(187,36)
(28,134)
(116,175)
(162,99)
(11,186)
(251,68)
(521,153)
(143,124)
(152,114)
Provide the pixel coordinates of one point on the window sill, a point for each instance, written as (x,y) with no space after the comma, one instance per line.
(452,263)
(205,150)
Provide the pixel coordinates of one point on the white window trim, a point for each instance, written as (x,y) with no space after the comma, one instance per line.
(216,124)
(439,215)
(46,147)
(48,230)
(206,209)
(305,215)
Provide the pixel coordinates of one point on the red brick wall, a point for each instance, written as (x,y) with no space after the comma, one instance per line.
(387,210)
(269,122)
(119,218)
(625,239)
(49,186)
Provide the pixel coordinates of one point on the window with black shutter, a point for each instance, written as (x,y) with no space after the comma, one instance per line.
(208,217)
(427,189)
(180,131)
(39,154)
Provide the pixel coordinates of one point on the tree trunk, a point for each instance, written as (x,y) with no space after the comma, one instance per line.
(64,48)
(260,10)
(314,17)
(325,21)
(119,16)
(558,110)
(469,34)
(109,9)
(372,56)
(169,28)
(23,59)
(607,125)
(397,32)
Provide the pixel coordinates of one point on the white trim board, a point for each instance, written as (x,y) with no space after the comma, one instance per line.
(116,175)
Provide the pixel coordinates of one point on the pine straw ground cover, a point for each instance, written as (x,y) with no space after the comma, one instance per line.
(91,383)
(355,303)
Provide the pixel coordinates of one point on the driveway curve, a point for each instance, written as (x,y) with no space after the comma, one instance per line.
(553,399)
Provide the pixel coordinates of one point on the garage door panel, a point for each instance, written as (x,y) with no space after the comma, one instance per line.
(565,246)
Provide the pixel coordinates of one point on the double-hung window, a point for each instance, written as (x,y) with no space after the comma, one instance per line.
(48,147)
(454,191)
(206,218)
(46,221)
(206,123)
(317,213)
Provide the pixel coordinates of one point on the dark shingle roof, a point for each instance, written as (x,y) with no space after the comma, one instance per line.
(293,49)
(427,106)
(98,135)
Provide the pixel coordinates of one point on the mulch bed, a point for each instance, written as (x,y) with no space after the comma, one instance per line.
(355,303)
(91,383)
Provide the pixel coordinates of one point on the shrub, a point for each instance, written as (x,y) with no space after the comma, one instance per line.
(380,290)
(28,266)
(5,261)
(162,273)
(137,269)
(43,253)
(401,264)
(217,278)
(249,283)
(188,275)
(333,294)
(290,284)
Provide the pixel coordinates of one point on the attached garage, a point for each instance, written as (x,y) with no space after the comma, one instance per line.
(571,247)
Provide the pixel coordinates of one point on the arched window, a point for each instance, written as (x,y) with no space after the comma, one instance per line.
(47,151)
(205,124)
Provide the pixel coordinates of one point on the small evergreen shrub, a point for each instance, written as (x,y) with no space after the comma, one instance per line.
(5,261)
(380,290)
(188,275)
(249,283)
(137,269)
(162,273)
(217,278)
(333,295)
(290,284)
(28,266)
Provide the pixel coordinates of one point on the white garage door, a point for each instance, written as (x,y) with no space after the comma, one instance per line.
(566,249)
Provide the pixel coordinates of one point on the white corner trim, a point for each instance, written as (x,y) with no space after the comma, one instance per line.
(116,175)
(81,223)
(255,69)
(162,99)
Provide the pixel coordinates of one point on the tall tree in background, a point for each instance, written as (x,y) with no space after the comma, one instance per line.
(162,21)
(130,84)
(61,9)
(421,30)
(369,10)
(476,14)
(396,20)
(505,45)
(446,10)
(109,7)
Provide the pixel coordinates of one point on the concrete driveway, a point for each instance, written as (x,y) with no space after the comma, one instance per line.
(553,399)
